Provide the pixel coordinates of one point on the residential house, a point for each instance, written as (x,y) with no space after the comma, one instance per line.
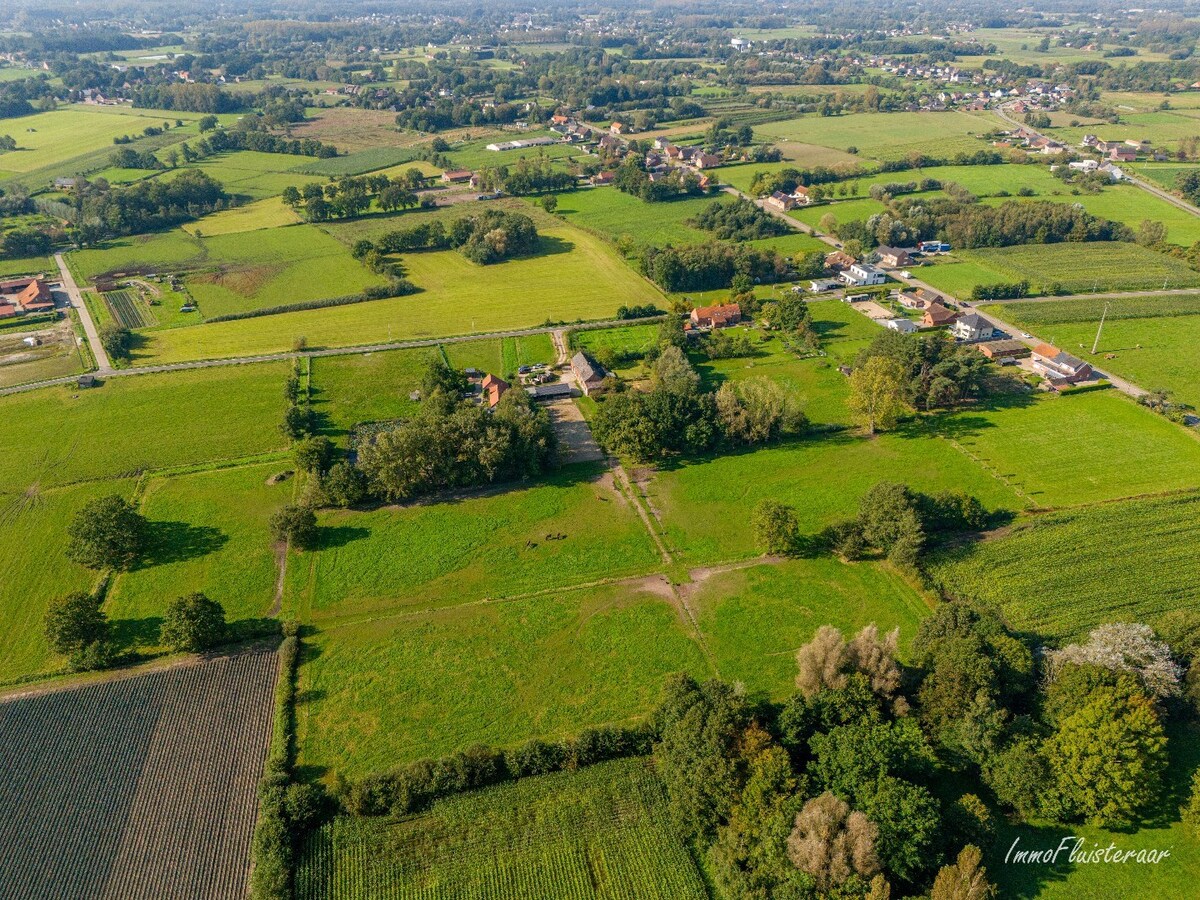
(618,128)
(610,143)
(972,327)
(716,316)
(559,119)
(862,275)
(914,300)
(904,326)
(839,261)
(893,257)
(801,195)
(457,176)
(587,371)
(1085,165)
(1059,367)
(1122,154)
(937,315)
(706,160)
(603,178)
(821,285)
(493,389)
(780,201)
(65,184)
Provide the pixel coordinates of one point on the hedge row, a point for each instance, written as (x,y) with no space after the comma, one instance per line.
(412,788)
(400,287)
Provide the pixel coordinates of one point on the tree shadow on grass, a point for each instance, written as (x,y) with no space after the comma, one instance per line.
(173,542)
(131,636)
(333,536)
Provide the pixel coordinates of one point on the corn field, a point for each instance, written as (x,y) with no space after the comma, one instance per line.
(601,832)
(143,787)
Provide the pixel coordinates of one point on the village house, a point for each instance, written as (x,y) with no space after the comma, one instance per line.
(706,160)
(780,201)
(937,315)
(618,128)
(862,275)
(603,178)
(972,327)
(493,389)
(919,299)
(457,176)
(1122,154)
(587,372)
(716,316)
(893,257)
(1059,367)
(904,326)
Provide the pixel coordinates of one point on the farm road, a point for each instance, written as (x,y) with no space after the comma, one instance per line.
(103,365)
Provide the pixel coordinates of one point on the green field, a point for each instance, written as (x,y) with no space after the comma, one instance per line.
(884,137)
(614,214)
(754,619)
(600,833)
(165,251)
(48,138)
(210,535)
(567,529)
(30,265)
(269,213)
(577,277)
(842,211)
(380,693)
(1060,574)
(1072,268)
(33,541)
(1131,206)
(60,436)
(365,387)
(249,173)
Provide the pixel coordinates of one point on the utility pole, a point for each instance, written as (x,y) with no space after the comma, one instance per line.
(1096,343)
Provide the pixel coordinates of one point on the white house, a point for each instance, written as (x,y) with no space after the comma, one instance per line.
(904,326)
(824,284)
(972,327)
(862,275)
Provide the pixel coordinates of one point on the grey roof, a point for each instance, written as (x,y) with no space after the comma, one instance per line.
(556,389)
(974,320)
(585,368)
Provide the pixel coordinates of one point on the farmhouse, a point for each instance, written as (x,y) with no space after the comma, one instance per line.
(862,275)
(457,176)
(972,327)
(1004,350)
(780,201)
(588,372)
(893,257)
(26,295)
(493,389)
(716,316)
(1059,367)
(937,315)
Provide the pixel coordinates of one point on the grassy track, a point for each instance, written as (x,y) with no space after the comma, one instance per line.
(599,833)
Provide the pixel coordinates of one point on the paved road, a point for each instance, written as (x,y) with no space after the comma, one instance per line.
(103,366)
(1106,295)
(331,351)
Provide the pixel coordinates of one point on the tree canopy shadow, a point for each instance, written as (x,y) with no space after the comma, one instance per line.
(172,542)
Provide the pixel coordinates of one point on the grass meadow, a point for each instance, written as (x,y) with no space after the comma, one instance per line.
(1056,573)
(567,529)
(34,569)
(599,832)
(48,138)
(252,174)
(210,534)
(365,387)
(934,133)
(615,215)
(380,693)
(59,436)
(754,619)
(268,213)
(576,277)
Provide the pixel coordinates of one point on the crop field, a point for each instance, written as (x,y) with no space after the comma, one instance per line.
(268,213)
(1069,267)
(1064,572)
(936,133)
(51,365)
(32,578)
(52,137)
(576,277)
(56,436)
(166,251)
(598,834)
(566,529)
(614,215)
(754,619)
(351,129)
(1086,310)
(1116,448)
(129,310)
(144,787)
(276,267)
(210,534)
